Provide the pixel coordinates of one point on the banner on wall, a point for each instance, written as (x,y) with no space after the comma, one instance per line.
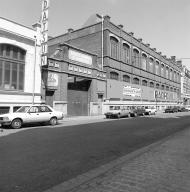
(131,91)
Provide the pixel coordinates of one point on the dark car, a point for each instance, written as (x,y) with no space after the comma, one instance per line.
(139,111)
(171,110)
(183,109)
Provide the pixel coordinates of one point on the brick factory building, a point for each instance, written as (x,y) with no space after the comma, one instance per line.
(136,74)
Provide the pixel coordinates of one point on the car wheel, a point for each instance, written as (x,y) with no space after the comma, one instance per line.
(53,121)
(16,124)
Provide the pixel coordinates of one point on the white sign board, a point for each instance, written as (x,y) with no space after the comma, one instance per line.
(131,91)
(80,57)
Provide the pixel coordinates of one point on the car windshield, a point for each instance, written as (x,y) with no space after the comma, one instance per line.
(23,109)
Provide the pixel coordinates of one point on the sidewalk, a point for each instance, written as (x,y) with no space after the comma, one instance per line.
(161,167)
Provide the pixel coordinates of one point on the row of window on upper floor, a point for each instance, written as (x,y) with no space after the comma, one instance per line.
(142,61)
(135,80)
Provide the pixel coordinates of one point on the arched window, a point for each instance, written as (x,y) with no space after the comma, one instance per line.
(136,81)
(167,73)
(174,89)
(171,74)
(174,76)
(162,87)
(151,65)
(162,70)
(136,57)
(126,78)
(171,89)
(167,88)
(157,71)
(144,62)
(151,84)
(144,82)
(157,86)
(114,75)
(126,53)
(12,66)
(114,47)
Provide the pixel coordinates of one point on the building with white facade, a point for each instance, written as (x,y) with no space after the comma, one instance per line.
(20,74)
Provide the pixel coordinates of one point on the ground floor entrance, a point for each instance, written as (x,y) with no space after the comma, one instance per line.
(77,96)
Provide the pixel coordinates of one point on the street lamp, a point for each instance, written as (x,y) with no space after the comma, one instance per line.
(34,71)
(102,39)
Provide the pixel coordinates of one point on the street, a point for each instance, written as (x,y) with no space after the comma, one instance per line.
(38,159)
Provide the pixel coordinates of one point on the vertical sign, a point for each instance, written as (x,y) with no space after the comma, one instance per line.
(44,31)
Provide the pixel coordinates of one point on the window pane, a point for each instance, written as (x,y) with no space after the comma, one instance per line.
(22,54)
(7,75)
(14,76)
(8,50)
(15,52)
(1,73)
(1,50)
(21,77)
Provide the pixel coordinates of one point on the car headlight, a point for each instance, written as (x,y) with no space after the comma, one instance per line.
(5,119)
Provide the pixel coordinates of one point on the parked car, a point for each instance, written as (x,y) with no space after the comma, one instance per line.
(183,109)
(31,114)
(118,112)
(188,108)
(150,110)
(137,111)
(171,110)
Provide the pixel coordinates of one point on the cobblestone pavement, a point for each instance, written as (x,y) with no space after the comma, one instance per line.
(164,168)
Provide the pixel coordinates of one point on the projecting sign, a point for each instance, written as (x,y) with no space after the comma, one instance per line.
(52,79)
(44,31)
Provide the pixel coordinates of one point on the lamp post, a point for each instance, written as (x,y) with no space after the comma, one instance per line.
(34,71)
(102,39)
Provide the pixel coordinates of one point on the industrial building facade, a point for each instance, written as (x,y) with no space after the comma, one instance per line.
(136,74)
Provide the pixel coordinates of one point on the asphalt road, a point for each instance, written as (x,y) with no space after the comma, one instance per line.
(37,159)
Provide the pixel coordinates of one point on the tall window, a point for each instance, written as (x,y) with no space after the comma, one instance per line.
(171,74)
(114,47)
(157,68)
(126,78)
(143,62)
(136,57)
(12,65)
(114,75)
(151,65)
(136,81)
(167,73)
(162,70)
(174,76)
(157,86)
(126,53)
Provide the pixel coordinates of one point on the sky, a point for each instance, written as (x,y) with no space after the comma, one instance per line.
(164,24)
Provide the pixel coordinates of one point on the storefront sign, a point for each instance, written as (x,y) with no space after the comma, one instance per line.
(131,91)
(80,69)
(80,57)
(52,79)
(44,31)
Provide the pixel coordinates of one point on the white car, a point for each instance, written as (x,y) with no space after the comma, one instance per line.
(31,114)
(150,110)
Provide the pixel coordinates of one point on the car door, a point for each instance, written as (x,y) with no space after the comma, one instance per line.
(33,115)
(45,113)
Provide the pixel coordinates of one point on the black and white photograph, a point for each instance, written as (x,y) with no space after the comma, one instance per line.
(95,96)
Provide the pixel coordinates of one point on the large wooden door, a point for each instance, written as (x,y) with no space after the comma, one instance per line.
(77,103)
(77,96)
